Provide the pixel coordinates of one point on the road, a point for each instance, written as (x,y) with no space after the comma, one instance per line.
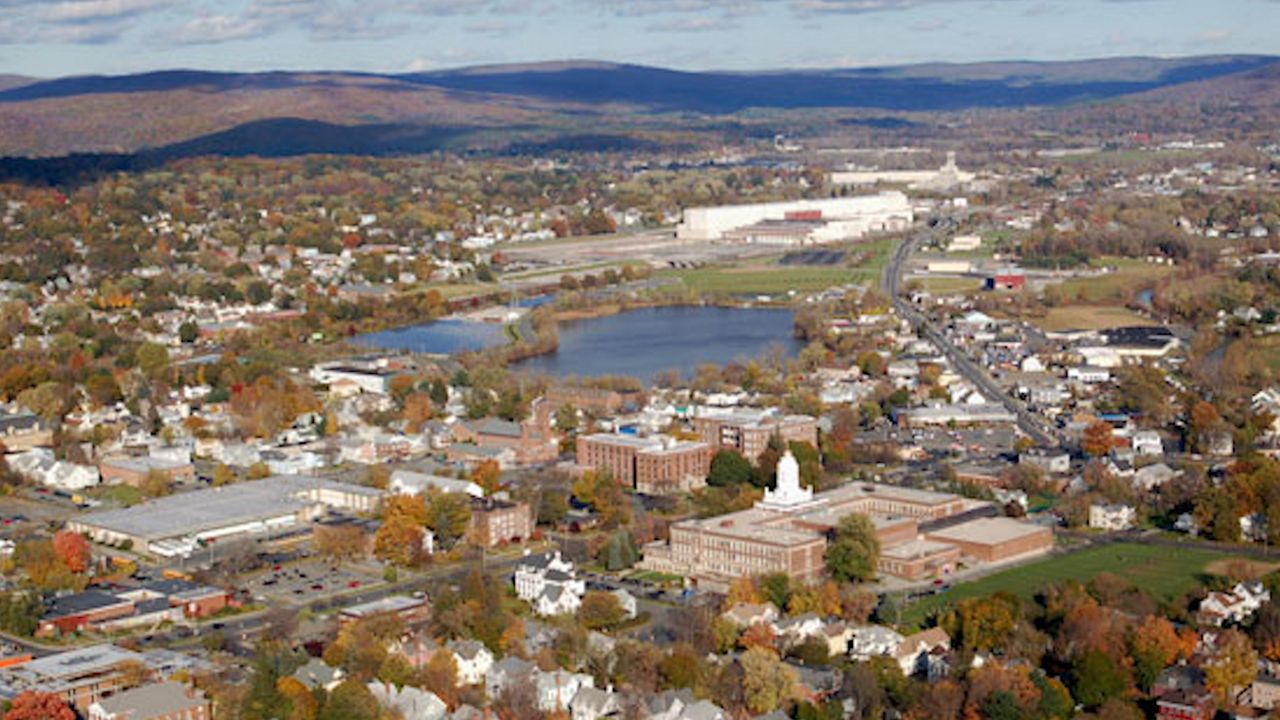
(1033,425)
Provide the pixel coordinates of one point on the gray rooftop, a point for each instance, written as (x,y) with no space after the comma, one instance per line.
(194,512)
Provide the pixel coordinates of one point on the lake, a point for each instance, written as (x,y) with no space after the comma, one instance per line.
(642,343)
(440,337)
(639,343)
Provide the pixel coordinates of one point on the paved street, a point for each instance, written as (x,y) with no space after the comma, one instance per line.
(1031,424)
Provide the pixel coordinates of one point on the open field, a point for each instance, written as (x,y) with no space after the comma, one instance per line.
(764,276)
(1130,275)
(948,285)
(1162,571)
(1088,317)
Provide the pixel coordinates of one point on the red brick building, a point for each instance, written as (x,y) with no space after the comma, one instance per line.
(133,471)
(749,431)
(651,465)
(497,521)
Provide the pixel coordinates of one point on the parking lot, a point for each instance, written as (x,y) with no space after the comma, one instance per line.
(306,580)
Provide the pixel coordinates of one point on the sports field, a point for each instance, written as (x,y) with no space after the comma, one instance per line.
(1165,572)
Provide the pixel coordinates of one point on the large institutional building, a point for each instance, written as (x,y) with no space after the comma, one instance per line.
(749,431)
(651,465)
(800,222)
(787,532)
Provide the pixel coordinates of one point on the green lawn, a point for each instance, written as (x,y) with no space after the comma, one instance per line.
(767,277)
(1162,571)
(1131,275)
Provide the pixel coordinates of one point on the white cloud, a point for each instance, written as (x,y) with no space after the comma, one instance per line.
(212,29)
(91,10)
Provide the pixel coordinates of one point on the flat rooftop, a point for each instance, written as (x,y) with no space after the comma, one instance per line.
(393,603)
(214,508)
(81,661)
(988,531)
(915,550)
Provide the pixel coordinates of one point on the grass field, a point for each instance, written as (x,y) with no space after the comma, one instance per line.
(1088,317)
(1162,571)
(767,277)
(1131,274)
(949,285)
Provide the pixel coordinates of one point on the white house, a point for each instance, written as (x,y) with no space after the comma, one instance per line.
(1219,608)
(1147,442)
(1111,517)
(914,650)
(40,466)
(557,688)
(473,660)
(1153,476)
(550,584)
(874,641)
(409,702)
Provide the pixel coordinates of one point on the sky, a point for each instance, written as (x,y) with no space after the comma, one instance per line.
(48,38)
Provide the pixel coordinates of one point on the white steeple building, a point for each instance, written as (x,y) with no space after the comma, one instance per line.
(787,495)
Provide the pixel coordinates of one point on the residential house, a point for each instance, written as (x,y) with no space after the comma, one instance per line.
(1050,461)
(408,703)
(473,660)
(1147,443)
(1235,606)
(747,614)
(550,584)
(590,703)
(316,673)
(917,654)
(872,641)
(1111,517)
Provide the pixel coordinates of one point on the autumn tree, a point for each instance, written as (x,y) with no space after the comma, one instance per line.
(399,537)
(338,543)
(73,550)
(600,609)
(32,705)
(1234,665)
(418,409)
(1154,645)
(767,683)
(440,676)
(853,554)
(448,515)
(302,704)
(350,700)
(1097,439)
(487,475)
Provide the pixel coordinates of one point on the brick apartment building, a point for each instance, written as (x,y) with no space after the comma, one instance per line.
(133,471)
(651,465)
(749,431)
(497,521)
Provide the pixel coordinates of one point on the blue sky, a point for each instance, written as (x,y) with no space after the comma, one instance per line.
(61,37)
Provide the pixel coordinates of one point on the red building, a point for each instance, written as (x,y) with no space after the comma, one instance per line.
(1009,280)
(1185,705)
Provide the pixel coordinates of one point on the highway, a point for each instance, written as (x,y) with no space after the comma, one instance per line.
(1033,425)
